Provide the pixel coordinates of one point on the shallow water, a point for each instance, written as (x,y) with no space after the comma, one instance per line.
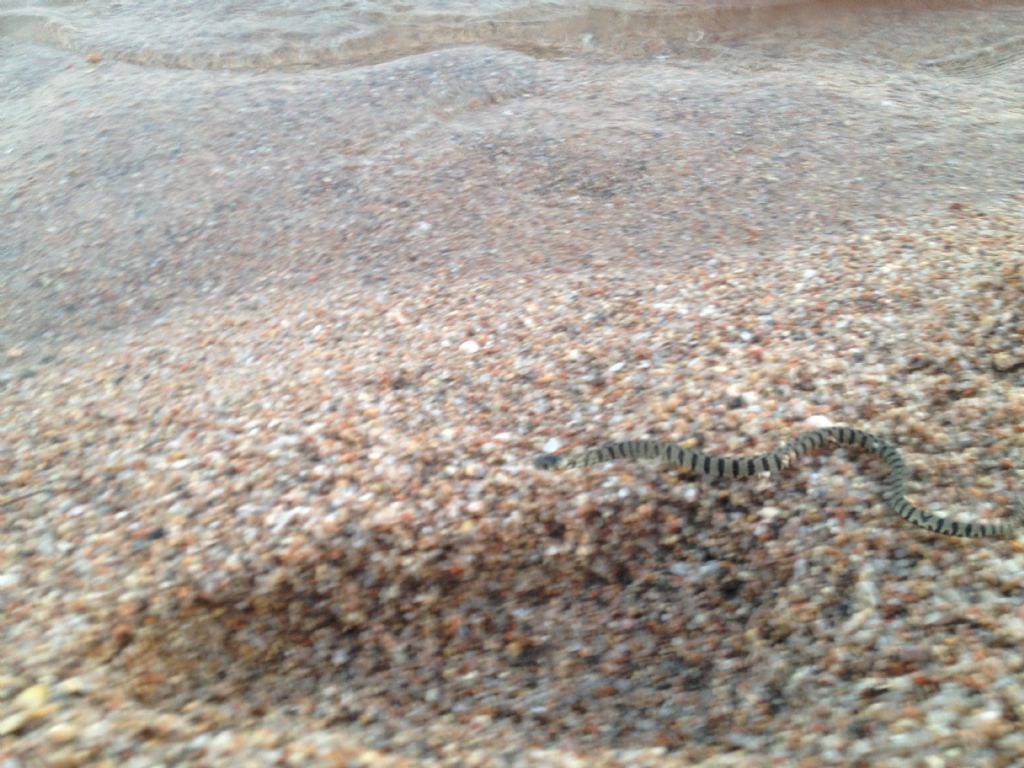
(154,155)
(198,34)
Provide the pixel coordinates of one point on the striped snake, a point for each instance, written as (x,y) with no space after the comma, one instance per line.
(712,466)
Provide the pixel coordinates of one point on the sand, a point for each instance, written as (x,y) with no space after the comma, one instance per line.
(279,347)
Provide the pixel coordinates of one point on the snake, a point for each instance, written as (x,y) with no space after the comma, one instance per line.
(712,466)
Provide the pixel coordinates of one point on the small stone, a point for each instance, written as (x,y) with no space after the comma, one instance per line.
(100,730)
(818,421)
(1012,629)
(31,699)
(62,733)
(72,686)
(681,568)
(469,347)
(1004,362)
(989,723)
(14,723)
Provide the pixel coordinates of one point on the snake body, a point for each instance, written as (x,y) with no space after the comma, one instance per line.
(713,466)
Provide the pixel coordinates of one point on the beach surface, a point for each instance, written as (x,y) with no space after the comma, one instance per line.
(286,313)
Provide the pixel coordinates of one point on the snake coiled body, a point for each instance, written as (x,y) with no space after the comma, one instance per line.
(713,466)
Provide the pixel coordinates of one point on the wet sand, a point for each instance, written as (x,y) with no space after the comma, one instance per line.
(135,191)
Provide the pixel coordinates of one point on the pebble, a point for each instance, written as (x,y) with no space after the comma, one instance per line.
(62,733)
(13,723)
(31,699)
(551,445)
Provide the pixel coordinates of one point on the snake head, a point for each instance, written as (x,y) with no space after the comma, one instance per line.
(1018,514)
(546,461)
